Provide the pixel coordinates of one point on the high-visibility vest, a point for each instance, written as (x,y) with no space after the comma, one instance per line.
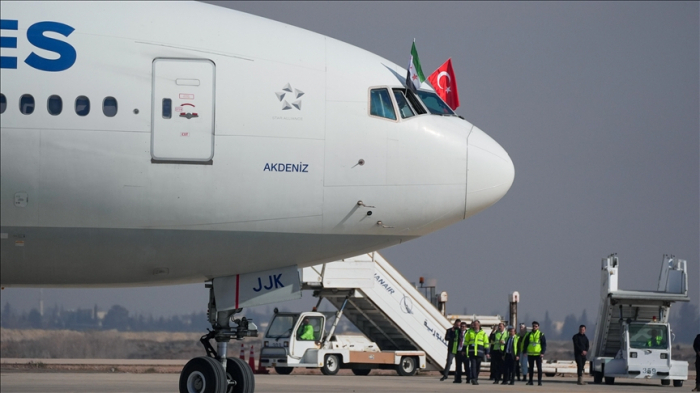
(658,340)
(516,344)
(496,344)
(455,345)
(477,339)
(534,348)
(307,333)
(521,342)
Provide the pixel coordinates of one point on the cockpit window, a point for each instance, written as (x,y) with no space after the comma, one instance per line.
(404,107)
(380,104)
(415,102)
(435,105)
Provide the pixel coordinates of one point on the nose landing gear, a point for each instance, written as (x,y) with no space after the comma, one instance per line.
(215,373)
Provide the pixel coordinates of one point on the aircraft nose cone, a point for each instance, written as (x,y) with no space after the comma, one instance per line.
(490,172)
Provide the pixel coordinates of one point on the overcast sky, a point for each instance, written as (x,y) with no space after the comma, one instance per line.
(597,105)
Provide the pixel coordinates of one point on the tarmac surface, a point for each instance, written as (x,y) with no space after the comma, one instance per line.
(59,382)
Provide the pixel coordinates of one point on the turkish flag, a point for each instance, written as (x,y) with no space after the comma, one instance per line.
(445,84)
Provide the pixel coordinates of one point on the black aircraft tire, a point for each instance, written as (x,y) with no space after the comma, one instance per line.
(203,375)
(239,371)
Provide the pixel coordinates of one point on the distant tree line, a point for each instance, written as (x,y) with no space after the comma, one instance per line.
(685,321)
(117,317)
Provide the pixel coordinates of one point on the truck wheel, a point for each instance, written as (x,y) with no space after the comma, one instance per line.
(407,366)
(597,377)
(361,371)
(284,370)
(677,383)
(549,375)
(665,382)
(609,380)
(331,365)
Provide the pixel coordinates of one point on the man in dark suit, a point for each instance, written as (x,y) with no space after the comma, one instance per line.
(511,355)
(580,352)
(450,335)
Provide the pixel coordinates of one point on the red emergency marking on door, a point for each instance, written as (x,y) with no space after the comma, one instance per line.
(179,109)
(185,96)
(184,134)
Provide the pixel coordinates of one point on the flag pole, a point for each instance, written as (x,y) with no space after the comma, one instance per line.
(405,93)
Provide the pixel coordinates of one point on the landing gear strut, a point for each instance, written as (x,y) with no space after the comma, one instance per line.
(215,373)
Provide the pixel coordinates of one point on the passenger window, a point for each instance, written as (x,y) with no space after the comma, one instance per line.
(54,105)
(109,106)
(404,108)
(3,103)
(82,106)
(26,104)
(167,108)
(380,104)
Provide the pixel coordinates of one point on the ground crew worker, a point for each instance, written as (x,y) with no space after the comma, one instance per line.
(460,350)
(477,347)
(580,352)
(523,354)
(492,338)
(535,345)
(307,331)
(450,335)
(511,356)
(655,340)
(497,346)
(696,348)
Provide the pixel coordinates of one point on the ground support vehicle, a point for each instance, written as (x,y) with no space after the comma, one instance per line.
(633,338)
(286,347)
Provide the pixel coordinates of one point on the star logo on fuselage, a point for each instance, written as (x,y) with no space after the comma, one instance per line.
(291,94)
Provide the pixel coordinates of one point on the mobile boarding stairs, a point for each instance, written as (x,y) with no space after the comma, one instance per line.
(628,320)
(382,304)
(390,310)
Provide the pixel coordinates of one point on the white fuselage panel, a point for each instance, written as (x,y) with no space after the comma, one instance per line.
(253,164)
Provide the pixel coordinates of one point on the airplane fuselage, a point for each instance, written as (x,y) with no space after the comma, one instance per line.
(239,144)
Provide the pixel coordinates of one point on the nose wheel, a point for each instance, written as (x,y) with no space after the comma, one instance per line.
(215,373)
(239,376)
(203,375)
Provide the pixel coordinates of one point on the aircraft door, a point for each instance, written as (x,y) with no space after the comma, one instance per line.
(182,115)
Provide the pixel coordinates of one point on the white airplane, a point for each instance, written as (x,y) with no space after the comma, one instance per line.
(168,143)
